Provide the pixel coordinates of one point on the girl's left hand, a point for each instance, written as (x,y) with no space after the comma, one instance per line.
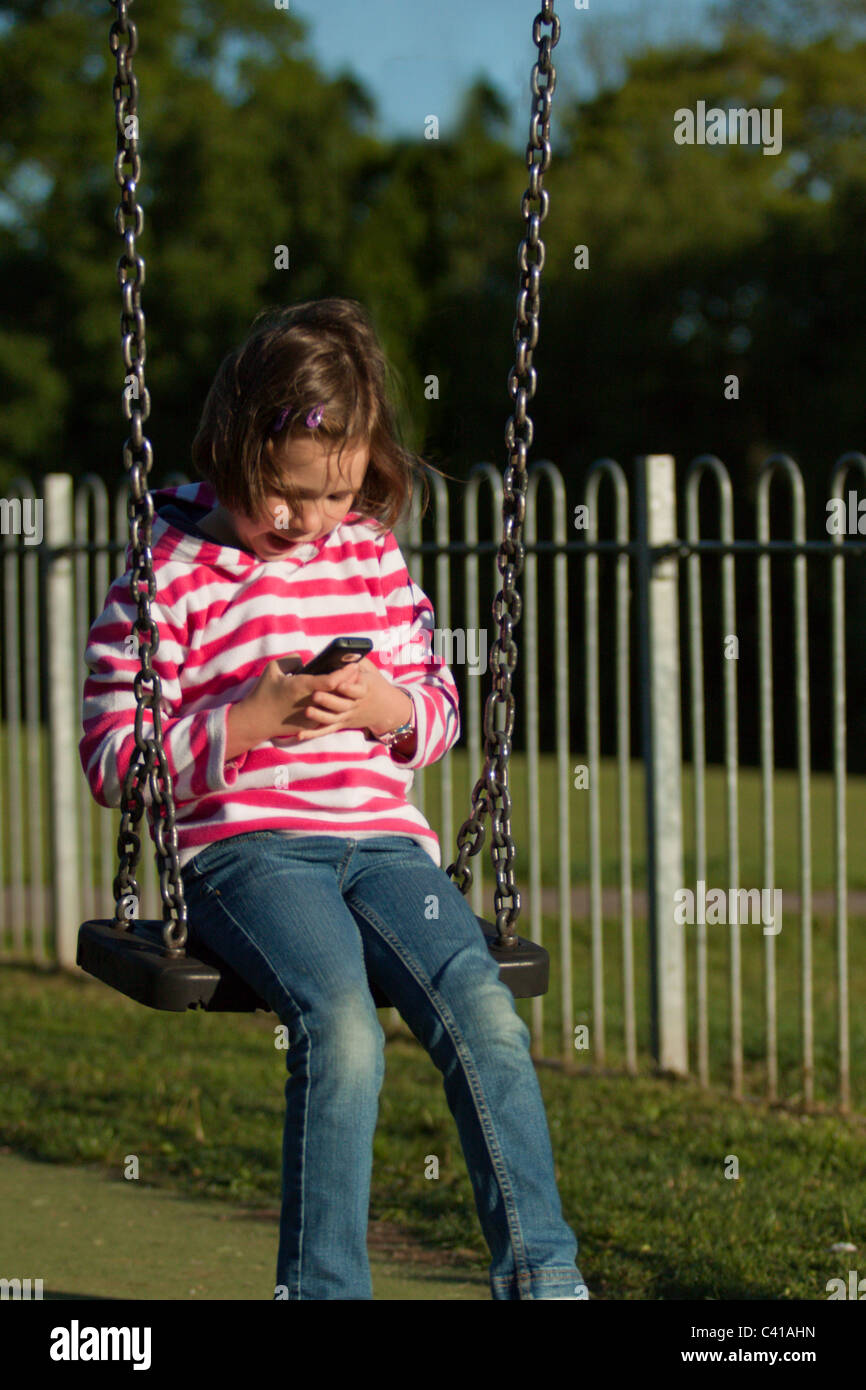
(361,701)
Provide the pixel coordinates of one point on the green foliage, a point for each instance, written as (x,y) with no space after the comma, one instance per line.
(704,260)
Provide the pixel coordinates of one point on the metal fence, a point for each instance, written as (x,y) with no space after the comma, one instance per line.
(51,831)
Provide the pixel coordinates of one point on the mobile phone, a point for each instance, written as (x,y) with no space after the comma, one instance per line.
(341,652)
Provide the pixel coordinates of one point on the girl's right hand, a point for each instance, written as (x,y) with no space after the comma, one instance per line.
(276,705)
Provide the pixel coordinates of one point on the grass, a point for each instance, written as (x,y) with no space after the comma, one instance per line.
(786,794)
(558,1027)
(89,1077)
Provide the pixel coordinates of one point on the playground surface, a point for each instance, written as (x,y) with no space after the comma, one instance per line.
(91,1236)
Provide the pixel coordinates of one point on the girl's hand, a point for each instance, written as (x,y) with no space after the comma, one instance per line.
(284,705)
(361,699)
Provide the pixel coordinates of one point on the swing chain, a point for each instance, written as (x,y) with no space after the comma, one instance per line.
(491,791)
(137,460)
(492,787)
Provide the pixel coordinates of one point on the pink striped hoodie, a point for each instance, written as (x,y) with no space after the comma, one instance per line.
(222,614)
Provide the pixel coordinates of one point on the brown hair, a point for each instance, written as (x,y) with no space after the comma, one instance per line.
(321,351)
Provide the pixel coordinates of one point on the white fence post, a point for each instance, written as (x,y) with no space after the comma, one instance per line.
(64,734)
(662,749)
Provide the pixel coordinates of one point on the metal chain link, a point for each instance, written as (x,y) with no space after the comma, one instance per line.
(492,787)
(137,460)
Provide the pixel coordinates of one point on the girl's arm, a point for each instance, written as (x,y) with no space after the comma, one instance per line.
(413,665)
(195,744)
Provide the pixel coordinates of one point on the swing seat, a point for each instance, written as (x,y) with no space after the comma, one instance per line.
(131,959)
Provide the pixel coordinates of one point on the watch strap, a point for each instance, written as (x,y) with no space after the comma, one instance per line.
(394,735)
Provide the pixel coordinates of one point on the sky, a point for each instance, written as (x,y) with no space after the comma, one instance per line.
(417,58)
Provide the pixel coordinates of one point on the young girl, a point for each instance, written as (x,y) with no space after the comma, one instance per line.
(304,864)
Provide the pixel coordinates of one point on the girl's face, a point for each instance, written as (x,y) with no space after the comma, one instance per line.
(325,497)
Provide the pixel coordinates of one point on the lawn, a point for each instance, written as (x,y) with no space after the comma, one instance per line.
(558,1028)
(90,1077)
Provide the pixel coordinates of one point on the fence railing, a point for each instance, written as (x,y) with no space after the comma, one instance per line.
(53,589)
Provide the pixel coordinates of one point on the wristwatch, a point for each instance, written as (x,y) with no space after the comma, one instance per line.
(395,735)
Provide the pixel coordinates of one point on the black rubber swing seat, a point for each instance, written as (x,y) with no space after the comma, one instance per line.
(132,960)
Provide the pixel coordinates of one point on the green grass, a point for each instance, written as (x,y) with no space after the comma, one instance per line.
(90,1077)
(788,857)
(558,1041)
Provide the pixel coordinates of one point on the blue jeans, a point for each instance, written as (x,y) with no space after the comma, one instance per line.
(303,920)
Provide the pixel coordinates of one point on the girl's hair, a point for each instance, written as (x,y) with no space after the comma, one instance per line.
(324,351)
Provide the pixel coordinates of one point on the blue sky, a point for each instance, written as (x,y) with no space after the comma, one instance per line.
(418,57)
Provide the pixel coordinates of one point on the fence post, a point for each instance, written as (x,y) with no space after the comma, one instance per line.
(64,734)
(658,625)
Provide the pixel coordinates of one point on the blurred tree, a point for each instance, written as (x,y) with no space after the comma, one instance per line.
(793,21)
(245,147)
(705,261)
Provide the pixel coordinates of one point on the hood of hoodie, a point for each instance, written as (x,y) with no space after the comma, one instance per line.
(177,513)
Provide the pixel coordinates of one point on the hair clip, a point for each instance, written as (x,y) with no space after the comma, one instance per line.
(313,420)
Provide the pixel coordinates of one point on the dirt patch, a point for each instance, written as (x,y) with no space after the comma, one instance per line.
(386,1240)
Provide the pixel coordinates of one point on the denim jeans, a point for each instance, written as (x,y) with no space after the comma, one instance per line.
(303,920)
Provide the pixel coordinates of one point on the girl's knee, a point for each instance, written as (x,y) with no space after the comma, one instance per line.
(344,1029)
(480,999)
